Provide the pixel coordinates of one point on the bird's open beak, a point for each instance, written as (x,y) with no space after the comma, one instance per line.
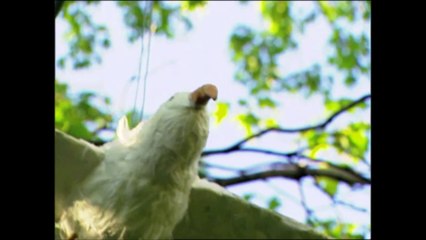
(202,94)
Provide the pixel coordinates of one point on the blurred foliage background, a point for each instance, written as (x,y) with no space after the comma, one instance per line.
(256,54)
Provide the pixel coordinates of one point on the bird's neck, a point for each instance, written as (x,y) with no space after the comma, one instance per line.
(173,146)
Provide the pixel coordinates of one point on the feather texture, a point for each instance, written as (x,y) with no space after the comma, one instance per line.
(141,188)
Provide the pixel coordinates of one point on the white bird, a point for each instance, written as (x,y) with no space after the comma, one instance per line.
(141,188)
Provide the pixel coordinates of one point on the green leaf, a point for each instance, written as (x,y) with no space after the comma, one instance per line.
(329,11)
(251,119)
(274,203)
(248,121)
(242,102)
(350,80)
(335,105)
(338,230)
(192,5)
(270,122)
(253,63)
(320,147)
(79,130)
(221,111)
(106,43)
(367,12)
(266,102)
(81,63)
(341,140)
(315,138)
(352,140)
(307,81)
(248,196)
(61,63)
(72,116)
(328,184)
(85,37)
(107,100)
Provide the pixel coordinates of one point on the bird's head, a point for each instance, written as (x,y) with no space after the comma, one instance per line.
(196,99)
(182,123)
(183,107)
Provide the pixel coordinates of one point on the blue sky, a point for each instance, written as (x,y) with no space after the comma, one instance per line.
(202,56)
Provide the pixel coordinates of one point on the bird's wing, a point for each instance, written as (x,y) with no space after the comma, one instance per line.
(75,160)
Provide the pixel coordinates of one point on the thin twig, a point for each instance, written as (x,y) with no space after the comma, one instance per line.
(238,145)
(309,212)
(351,206)
(281,192)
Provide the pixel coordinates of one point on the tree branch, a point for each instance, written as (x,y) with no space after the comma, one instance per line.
(257,150)
(350,173)
(290,172)
(209,165)
(322,125)
(337,170)
(297,171)
(58,7)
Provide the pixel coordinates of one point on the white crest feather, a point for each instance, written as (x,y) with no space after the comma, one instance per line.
(124,134)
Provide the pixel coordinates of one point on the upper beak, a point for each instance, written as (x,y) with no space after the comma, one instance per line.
(202,94)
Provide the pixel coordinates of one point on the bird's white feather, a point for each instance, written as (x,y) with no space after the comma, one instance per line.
(141,189)
(126,136)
